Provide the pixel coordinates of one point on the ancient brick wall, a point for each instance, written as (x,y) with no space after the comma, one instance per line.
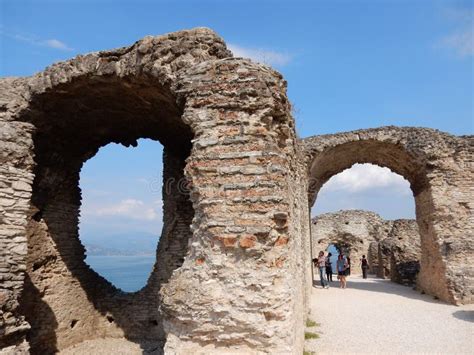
(247,236)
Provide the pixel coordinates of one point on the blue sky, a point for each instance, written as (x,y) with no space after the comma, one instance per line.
(349,65)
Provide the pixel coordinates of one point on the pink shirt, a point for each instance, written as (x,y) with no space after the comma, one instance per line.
(322,261)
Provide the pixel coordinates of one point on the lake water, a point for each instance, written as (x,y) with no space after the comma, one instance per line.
(129,273)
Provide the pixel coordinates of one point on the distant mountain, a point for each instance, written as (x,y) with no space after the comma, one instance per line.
(121,244)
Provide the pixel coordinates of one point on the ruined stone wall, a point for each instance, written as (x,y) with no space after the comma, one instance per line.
(16,179)
(64,301)
(406,254)
(384,253)
(400,253)
(231,263)
(352,230)
(439,169)
(373,257)
(392,247)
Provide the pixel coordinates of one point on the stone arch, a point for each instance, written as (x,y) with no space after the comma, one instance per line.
(228,134)
(436,165)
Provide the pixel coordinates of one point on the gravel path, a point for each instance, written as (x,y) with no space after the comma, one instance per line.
(376,316)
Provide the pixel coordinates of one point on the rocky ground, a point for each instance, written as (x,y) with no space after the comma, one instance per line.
(376,316)
(372,316)
(109,346)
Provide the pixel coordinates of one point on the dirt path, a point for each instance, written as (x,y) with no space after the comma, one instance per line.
(377,316)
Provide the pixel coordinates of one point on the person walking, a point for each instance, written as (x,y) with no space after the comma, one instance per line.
(322,269)
(348,269)
(365,266)
(329,267)
(341,270)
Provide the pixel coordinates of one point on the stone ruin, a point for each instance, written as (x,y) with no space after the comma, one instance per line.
(400,252)
(439,168)
(352,231)
(233,269)
(392,248)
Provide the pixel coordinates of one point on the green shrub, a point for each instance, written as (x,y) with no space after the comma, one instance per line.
(309,335)
(311,323)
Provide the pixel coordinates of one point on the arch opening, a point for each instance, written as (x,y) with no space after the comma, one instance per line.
(73,122)
(367,187)
(121,212)
(369,211)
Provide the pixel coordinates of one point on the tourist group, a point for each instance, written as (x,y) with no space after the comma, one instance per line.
(343,266)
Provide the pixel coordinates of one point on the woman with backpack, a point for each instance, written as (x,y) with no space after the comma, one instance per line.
(341,270)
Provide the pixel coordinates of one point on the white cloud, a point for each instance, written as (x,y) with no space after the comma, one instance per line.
(462,42)
(57,44)
(363,177)
(36,41)
(129,208)
(462,39)
(261,55)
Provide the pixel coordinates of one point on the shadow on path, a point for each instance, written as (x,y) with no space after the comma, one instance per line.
(467,316)
(387,286)
(372,284)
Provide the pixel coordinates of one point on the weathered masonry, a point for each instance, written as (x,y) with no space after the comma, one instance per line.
(232,270)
